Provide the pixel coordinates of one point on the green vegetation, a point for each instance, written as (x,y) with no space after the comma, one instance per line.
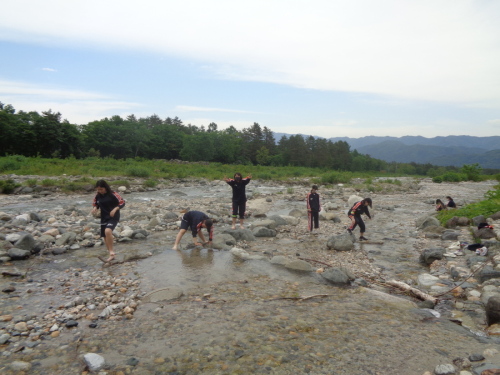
(486,207)
(7,186)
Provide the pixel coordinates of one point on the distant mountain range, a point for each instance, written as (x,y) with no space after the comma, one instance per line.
(453,150)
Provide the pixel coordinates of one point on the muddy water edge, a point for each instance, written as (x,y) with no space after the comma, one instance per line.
(233,316)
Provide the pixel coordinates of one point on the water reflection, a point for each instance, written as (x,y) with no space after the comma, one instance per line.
(197,258)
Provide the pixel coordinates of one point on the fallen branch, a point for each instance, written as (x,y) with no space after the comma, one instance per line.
(414,291)
(303,298)
(316,261)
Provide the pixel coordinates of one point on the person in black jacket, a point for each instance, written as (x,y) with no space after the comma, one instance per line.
(110,204)
(451,203)
(313,208)
(238,184)
(354,214)
(196,220)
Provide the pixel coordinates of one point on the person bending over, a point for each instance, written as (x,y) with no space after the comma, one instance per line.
(196,220)
(355,213)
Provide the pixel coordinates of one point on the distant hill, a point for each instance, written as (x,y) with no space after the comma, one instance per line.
(453,150)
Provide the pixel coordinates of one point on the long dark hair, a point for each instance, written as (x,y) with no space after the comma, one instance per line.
(103,184)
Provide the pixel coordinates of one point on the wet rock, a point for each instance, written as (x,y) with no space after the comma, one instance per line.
(428,256)
(240,234)
(177,193)
(164,294)
(18,254)
(244,255)
(299,265)
(336,276)
(132,361)
(140,234)
(25,241)
(94,361)
(341,242)
(223,240)
(71,323)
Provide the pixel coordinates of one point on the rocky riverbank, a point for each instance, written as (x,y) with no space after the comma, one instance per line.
(296,302)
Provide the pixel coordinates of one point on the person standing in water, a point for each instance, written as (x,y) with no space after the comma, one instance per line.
(238,184)
(110,204)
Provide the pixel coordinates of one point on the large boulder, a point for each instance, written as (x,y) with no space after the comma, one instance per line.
(427,221)
(297,213)
(428,256)
(264,232)
(450,235)
(267,223)
(337,276)
(493,310)
(299,265)
(240,234)
(484,233)
(341,242)
(353,199)
(279,220)
(18,254)
(223,241)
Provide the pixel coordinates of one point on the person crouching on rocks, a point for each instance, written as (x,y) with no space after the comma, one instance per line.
(110,204)
(440,206)
(355,213)
(196,220)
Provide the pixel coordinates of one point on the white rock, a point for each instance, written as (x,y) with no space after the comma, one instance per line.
(20,366)
(427,280)
(12,237)
(94,361)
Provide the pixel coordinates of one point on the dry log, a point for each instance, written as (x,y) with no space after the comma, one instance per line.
(414,291)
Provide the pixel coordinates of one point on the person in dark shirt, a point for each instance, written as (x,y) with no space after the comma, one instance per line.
(196,220)
(451,203)
(110,204)
(238,184)
(354,214)
(440,206)
(313,208)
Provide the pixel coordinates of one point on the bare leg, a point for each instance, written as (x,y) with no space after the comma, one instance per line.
(178,238)
(234,223)
(241,223)
(108,240)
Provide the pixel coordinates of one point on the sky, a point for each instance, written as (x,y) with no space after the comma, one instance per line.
(327,68)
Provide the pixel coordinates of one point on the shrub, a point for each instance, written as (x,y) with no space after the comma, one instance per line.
(290,190)
(9,165)
(48,182)
(336,178)
(31,182)
(7,186)
(437,179)
(138,172)
(452,177)
(150,183)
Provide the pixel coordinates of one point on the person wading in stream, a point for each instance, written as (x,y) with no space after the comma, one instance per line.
(196,220)
(110,204)
(355,213)
(239,196)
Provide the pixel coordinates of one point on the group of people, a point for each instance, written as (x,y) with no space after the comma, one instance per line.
(441,206)
(110,203)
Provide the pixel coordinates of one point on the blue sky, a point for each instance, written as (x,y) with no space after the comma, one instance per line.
(321,67)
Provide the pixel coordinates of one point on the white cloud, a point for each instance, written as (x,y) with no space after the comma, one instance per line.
(49,70)
(442,51)
(187,108)
(77,106)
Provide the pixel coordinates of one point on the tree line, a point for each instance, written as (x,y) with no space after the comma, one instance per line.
(46,135)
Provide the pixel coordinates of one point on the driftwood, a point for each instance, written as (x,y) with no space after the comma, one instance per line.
(414,291)
(303,298)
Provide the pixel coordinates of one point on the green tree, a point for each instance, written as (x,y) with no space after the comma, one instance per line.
(472,171)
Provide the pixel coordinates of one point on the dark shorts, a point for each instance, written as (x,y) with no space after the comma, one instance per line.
(111,223)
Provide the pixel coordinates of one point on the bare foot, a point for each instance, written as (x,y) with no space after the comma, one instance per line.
(233,227)
(175,247)
(111,257)
(242,227)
